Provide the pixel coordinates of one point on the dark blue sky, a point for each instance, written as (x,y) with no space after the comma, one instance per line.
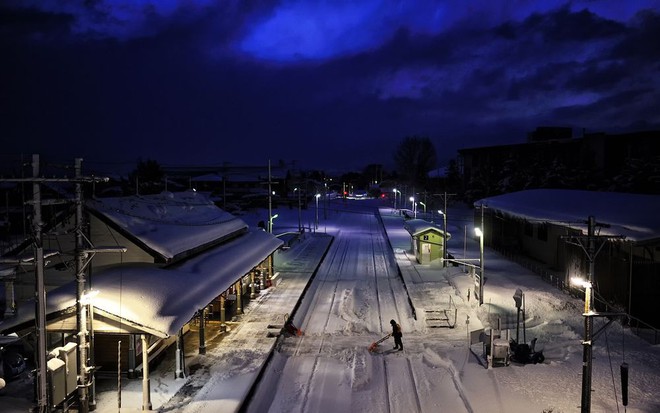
(332,84)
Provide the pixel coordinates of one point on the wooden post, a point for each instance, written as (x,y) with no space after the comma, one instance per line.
(146,385)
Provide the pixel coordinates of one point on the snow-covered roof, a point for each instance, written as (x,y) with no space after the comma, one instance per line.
(161,301)
(634,216)
(418,226)
(208,178)
(169,223)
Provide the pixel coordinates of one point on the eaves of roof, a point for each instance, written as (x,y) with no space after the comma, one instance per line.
(154,300)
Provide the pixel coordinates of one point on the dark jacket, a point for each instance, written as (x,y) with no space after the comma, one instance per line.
(396,330)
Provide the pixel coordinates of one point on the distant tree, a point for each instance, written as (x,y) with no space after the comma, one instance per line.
(637,175)
(352,181)
(414,158)
(454,178)
(147,177)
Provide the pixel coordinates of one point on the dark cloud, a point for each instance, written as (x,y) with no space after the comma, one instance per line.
(324,84)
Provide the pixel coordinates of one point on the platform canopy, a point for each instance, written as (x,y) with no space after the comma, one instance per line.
(144,298)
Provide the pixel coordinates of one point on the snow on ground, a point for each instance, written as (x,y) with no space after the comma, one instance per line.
(355,293)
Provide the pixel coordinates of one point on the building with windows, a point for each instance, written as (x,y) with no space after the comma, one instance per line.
(545,229)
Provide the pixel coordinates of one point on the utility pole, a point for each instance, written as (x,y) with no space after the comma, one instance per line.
(299,189)
(592,250)
(270,201)
(40,294)
(444,235)
(481,258)
(80,290)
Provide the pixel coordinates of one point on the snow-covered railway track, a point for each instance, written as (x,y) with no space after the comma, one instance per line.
(328,274)
(402,383)
(354,294)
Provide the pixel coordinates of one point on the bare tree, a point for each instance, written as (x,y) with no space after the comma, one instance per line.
(414,158)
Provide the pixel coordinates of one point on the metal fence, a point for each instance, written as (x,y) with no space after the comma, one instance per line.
(557,280)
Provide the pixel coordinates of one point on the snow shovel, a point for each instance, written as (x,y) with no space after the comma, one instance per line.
(375,344)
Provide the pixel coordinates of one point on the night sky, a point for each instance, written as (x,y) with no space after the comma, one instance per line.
(331,84)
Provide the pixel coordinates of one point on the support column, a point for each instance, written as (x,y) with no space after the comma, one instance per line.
(131,356)
(223,315)
(239,297)
(270,268)
(202,344)
(146,385)
(253,287)
(180,372)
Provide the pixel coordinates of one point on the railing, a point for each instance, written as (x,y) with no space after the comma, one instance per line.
(644,330)
(637,326)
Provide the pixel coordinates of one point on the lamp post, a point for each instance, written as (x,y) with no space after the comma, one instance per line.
(414,206)
(480,234)
(299,209)
(585,405)
(395,192)
(325,200)
(316,224)
(270,223)
(424,205)
(444,237)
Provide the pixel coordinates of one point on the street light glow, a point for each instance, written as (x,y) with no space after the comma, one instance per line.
(477,231)
(581,282)
(270,223)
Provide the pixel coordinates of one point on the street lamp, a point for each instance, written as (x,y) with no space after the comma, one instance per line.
(424,205)
(316,225)
(444,237)
(299,209)
(480,234)
(270,223)
(395,192)
(585,405)
(414,206)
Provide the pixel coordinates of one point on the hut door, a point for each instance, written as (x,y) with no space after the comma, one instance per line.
(426,252)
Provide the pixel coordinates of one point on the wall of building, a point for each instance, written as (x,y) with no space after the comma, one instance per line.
(436,242)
